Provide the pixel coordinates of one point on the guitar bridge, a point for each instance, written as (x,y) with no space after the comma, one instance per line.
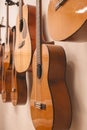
(59,4)
(40,106)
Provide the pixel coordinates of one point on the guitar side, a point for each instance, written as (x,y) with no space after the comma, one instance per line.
(50,102)
(67,19)
(19,88)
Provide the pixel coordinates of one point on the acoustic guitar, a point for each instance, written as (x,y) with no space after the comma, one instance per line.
(65,17)
(50,101)
(25,37)
(7,62)
(19,86)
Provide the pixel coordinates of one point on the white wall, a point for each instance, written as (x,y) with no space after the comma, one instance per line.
(15,118)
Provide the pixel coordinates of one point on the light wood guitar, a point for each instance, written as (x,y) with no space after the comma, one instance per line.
(65,17)
(7,62)
(19,86)
(50,102)
(25,37)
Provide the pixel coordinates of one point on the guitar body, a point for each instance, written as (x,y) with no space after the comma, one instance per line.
(7,69)
(50,102)
(67,19)
(19,88)
(25,40)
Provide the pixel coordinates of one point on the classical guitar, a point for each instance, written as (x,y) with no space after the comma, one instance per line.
(25,37)
(7,62)
(19,86)
(50,101)
(65,17)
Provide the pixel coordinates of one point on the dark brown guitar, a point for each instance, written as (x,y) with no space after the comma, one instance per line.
(19,86)
(50,102)
(65,17)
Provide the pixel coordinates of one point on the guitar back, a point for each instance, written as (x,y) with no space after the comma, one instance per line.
(67,18)
(50,102)
(24,46)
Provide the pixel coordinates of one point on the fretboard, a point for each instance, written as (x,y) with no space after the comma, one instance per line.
(7,22)
(20,9)
(38,30)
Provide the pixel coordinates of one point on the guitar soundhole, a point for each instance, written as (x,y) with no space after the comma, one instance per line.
(21,25)
(24,31)
(39,70)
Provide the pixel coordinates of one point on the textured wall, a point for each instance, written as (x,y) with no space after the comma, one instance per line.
(15,118)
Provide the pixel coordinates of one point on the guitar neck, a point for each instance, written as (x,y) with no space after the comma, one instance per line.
(7,21)
(38,30)
(39,36)
(14,40)
(20,9)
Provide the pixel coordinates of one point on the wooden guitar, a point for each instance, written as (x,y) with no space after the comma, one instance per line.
(50,102)
(19,86)
(7,62)
(65,17)
(25,37)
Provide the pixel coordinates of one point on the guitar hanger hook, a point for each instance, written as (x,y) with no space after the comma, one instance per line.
(10,3)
